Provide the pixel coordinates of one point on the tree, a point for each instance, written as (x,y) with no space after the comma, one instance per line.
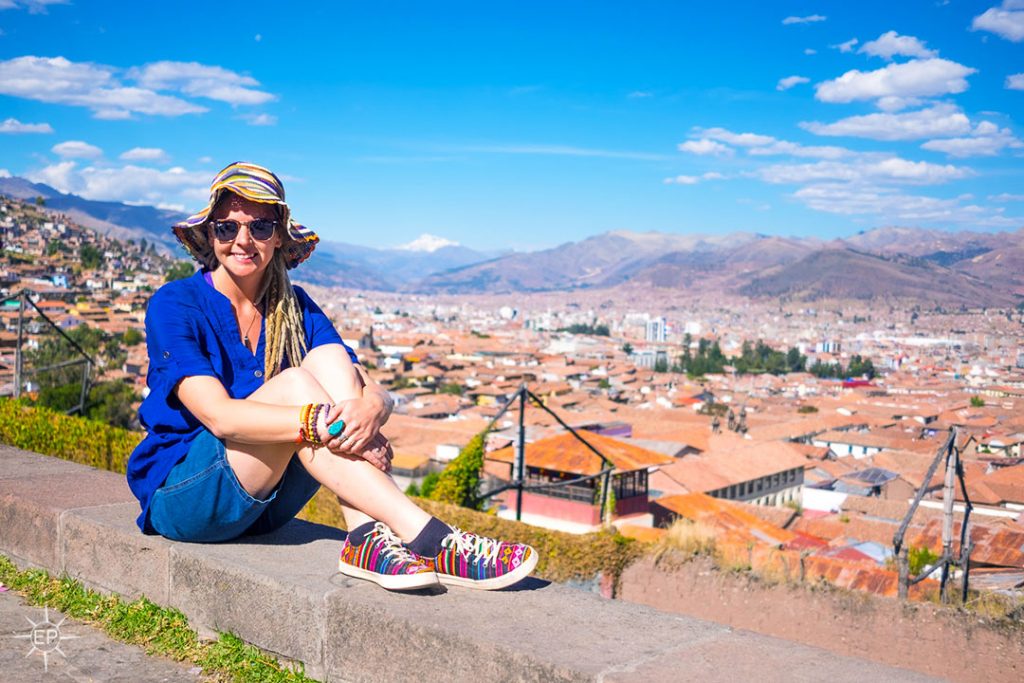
(40,200)
(111,402)
(977,402)
(90,256)
(627,349)
(179,270)
(132,337)
(459,484)
(454,389)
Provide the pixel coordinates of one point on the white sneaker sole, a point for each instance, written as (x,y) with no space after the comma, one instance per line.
(392,582)
(514,576)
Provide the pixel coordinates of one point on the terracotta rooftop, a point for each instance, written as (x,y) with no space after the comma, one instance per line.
(564,453)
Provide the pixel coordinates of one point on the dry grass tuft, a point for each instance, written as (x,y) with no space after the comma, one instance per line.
(687,538)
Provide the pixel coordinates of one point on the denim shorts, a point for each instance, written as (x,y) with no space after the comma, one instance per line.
(202,501)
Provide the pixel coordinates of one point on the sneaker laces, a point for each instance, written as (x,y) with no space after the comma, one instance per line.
(391,545)
(467,543)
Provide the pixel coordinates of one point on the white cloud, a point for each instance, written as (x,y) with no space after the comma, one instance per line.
(737,139)
(144,154)
(789,81)
(1006,21)
(259,119)
(810,19)
(13,125)
(894,205)
(59,81)
(780,147)
(76,149)
(810,51)
(33,6)
(639,94)
(766,145)
(693,179)
(59,176)
(4,173)
(916,78)
(125,183)
(200,80)
(258,37)
(704,146)
(1015,82)
(941,120)
(987,139)
(1006,197)
(847,46)
(892,169)
(891,43)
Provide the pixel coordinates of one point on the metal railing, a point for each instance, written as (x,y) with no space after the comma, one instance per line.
(519,476)
(20,372)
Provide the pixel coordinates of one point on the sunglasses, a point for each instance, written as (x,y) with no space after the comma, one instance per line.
(260,229)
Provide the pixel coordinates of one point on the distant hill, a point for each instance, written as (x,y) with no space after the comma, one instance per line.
(952,268)
(119,220)
(849,274)
(599,261)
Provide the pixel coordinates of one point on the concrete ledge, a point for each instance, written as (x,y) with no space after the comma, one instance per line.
(282,592)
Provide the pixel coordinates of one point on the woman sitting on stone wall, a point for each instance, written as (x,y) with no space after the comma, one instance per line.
(255,402)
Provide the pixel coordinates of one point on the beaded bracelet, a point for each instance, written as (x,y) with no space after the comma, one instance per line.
(312,433)
(303,420)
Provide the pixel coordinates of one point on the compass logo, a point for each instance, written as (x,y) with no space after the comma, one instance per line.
(46,637)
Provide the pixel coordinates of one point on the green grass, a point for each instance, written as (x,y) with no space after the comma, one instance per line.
(158,630)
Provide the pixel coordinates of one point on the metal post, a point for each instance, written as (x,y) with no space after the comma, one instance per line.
(17,349)
(521,453)
(947,519)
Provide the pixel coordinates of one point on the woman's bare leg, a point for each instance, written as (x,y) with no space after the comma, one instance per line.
(365,488)
(332,368)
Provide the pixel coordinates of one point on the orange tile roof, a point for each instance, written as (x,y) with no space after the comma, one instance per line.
(731,460)
(726,517)
(564,453)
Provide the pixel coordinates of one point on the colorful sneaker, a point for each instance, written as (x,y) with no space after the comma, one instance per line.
(383,559)
(478,562)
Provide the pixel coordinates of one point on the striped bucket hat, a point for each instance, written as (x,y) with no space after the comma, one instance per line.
(257,184)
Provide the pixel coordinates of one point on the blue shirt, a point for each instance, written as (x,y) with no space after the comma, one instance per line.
(191,331)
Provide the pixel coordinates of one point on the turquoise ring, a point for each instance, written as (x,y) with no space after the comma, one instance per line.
(336,428)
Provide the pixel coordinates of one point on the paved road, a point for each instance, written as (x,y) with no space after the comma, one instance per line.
(73,651)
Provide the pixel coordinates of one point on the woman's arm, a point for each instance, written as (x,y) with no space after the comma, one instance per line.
(240,420)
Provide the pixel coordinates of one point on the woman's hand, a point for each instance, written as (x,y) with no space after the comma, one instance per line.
(378,453)
(363,419)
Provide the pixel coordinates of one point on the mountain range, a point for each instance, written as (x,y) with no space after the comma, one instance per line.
(929,266)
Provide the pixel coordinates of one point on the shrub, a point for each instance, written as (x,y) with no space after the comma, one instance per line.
(459,483)
(87,442)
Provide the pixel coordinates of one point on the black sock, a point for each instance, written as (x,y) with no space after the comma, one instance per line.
(428,542)
(358,535)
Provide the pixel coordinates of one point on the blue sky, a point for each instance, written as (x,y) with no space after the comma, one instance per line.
(524,125)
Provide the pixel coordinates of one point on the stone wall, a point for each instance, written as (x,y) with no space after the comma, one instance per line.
(945,642)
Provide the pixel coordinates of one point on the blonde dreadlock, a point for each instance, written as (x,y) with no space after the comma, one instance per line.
(285,334)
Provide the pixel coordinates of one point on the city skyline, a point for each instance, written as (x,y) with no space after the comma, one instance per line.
(522,128)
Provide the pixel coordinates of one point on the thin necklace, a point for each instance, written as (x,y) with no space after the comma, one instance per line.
(245,337)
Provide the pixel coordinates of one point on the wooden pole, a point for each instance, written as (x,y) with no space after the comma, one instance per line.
(17,349)
(947,518)
(903,563)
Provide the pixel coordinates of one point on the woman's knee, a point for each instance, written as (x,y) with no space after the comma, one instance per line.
(299,385)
